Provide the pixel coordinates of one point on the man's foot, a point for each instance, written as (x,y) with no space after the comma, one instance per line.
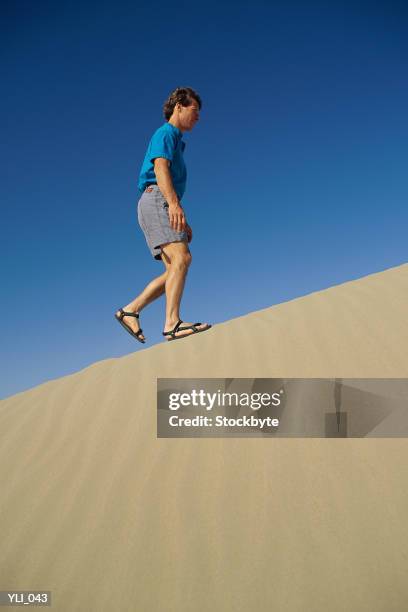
(182,329)
(130,322)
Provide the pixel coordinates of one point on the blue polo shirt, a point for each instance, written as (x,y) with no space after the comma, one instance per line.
(166,142)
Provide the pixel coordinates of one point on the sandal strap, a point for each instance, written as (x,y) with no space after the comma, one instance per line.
(127,314)
(173,331)
(193,327)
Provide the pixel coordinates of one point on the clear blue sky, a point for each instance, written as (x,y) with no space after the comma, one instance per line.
(297,169)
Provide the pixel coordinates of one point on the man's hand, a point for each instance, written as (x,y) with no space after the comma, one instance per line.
(177,218)
(189,233)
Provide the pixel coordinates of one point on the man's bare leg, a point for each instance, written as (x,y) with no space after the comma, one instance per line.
(177,257)
(151,292)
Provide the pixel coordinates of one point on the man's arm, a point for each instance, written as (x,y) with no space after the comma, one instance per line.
(165,183)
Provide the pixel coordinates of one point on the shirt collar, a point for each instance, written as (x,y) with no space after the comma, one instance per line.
(175,129)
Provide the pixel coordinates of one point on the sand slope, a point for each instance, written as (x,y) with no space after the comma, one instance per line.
(96,509)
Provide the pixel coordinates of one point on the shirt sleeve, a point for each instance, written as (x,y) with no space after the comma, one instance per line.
(163,144)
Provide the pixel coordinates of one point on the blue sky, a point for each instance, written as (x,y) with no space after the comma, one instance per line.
(297,169)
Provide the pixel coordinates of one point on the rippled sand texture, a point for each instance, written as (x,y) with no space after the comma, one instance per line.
(109,518)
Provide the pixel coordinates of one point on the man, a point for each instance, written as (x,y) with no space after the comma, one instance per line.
(162,182)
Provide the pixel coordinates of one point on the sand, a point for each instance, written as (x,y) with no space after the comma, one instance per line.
(99,511)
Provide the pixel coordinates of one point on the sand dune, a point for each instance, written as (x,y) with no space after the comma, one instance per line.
(99,511)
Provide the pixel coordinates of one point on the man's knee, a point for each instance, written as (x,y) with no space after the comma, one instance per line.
(182,259)
(188,258)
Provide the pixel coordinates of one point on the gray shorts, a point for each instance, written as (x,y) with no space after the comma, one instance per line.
(153,216)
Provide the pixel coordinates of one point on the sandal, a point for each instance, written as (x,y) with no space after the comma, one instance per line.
(128,329)
(177,328)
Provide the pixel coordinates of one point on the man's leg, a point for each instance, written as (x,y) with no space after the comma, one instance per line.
(151,292)
(177,257)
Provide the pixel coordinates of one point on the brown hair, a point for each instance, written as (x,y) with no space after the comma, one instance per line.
(182,95)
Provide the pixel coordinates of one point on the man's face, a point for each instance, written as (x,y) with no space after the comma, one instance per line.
(189,115)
